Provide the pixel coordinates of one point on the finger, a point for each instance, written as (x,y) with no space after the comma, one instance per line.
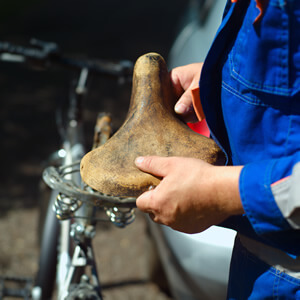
(176,82)
(185,109)
(143,202)
(154,218)
(185,104)
(155,165)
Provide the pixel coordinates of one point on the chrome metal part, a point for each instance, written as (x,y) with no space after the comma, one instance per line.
(57,179)
(65,207)
(79,232)
(84,290)
(89,286)
(121,217)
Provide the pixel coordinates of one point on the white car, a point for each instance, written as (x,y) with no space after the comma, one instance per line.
(196,265)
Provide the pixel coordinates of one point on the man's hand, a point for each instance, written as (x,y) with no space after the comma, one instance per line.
(193,195)
(184,79)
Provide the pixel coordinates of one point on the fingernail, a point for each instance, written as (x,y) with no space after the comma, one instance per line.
(139,160)
(180,108)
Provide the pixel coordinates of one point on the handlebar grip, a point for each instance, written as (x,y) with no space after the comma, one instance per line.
(44,54)
(41,51)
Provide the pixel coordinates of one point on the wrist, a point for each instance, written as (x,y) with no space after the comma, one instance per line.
(227,189)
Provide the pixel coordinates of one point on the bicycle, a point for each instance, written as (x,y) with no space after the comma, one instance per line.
(66,250)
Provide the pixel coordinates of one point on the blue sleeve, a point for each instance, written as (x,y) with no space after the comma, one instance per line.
(260,204)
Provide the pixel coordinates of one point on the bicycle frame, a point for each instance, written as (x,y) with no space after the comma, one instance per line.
(73,234)
(72,150)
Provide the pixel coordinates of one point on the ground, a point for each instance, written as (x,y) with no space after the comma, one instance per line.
(106,29)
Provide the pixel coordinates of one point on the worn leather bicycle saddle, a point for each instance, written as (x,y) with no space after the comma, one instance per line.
(151,128)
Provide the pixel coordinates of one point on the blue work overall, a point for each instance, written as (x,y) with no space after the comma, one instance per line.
(250,93)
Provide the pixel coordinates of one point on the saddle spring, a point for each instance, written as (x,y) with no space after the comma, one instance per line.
(65,208)
(121,217)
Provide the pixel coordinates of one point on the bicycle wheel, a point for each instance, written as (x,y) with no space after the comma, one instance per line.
(45,279)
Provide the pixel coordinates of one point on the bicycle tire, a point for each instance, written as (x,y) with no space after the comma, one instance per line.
(45,279)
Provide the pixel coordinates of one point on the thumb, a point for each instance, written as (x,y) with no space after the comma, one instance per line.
(155,165)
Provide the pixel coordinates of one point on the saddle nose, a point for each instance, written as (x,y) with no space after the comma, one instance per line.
(151,128)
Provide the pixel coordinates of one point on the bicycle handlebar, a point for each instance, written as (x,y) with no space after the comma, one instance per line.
(46,54)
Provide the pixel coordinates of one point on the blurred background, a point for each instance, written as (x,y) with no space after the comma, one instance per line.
(109,29)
